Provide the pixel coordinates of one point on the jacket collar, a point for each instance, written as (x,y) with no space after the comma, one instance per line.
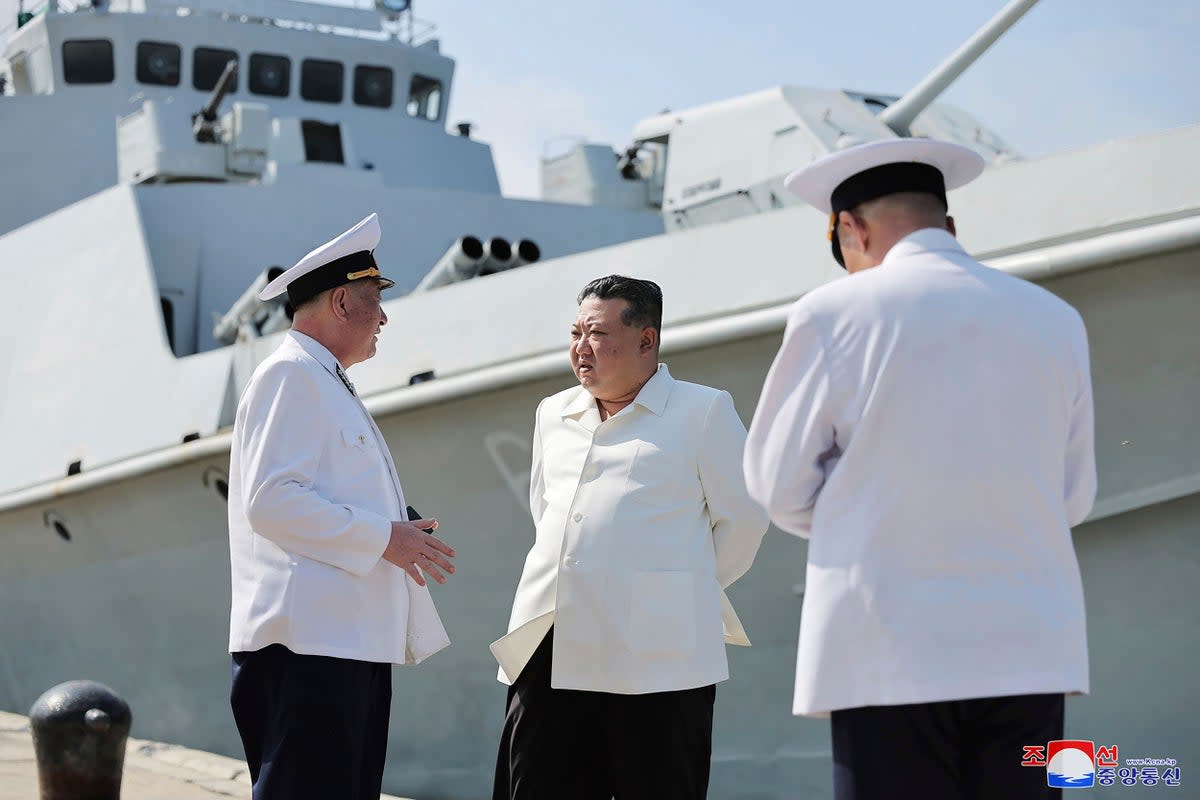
(925,240)
(652,397)
(656,391)
(319,352)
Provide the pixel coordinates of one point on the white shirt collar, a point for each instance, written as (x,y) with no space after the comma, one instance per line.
(923,241)
(655,392)
(652,396)
(317,350)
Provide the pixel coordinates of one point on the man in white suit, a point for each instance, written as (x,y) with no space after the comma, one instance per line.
(618,630)
(927,425)
(328,590)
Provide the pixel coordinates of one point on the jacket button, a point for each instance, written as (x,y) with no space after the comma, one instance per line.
(577,516)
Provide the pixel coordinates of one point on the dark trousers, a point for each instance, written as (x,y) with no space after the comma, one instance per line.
(955,750)
(312,726)
(560,744)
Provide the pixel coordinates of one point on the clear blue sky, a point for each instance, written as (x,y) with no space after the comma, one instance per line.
(1070,74)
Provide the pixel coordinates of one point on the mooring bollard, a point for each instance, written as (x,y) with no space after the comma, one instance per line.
(79,734)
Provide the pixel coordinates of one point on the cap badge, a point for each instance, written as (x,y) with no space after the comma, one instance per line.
(371,272)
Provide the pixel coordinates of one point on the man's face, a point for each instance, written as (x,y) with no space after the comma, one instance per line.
(364,318)
(608,357)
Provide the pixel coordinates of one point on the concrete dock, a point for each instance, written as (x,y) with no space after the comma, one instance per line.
(153,771)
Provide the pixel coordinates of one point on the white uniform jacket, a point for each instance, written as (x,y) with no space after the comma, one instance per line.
(928,423)
(312,495)
(642,520)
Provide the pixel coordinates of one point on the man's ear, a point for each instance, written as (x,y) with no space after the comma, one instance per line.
(853,232)
(649,341)
(950,225)
(338,301)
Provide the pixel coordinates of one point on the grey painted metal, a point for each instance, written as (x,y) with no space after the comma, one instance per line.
(387,145)
(526,251)
(248,309)
(190,244)
(460,262)
(1049,262)
(353,14)
(497,256)
(173,579)
(131,554)
(900,114)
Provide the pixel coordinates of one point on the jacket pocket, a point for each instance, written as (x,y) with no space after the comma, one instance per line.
(662,614)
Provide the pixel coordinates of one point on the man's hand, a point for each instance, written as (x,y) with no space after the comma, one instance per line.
(412,547)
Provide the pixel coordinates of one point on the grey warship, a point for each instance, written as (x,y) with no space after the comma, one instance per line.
(120,383)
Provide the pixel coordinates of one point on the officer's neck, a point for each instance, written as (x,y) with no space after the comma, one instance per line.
(881,234)
(327,336)
(610,407)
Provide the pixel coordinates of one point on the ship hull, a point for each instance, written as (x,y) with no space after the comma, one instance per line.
(138,597)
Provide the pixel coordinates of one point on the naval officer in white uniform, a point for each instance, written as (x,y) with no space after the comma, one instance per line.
(328,590)
(927,425)
(618,630)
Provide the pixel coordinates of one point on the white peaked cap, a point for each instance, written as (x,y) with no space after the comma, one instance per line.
(345,258)
(816,182)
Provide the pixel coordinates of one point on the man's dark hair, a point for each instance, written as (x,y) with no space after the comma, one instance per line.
(644,299)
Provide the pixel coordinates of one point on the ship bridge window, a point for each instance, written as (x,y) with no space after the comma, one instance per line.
(270,74)
(87,61)
(207,65)
(373,86)
(158,63)
(425,97)
(321,81)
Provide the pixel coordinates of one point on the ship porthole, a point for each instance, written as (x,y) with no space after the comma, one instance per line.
(218,481)
(56,523)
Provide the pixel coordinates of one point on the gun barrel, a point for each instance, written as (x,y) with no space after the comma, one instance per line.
(247,306)
(525,251)
(224,84)
(459,263)
(497,256)
(899,115)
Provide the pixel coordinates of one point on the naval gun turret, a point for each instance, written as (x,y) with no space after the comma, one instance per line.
(727,160)
(204,121)
(157,145)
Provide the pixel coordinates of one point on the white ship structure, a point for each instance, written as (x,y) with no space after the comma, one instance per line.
(146,191)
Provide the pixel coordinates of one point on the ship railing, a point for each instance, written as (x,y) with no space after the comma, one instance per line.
(406,27)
